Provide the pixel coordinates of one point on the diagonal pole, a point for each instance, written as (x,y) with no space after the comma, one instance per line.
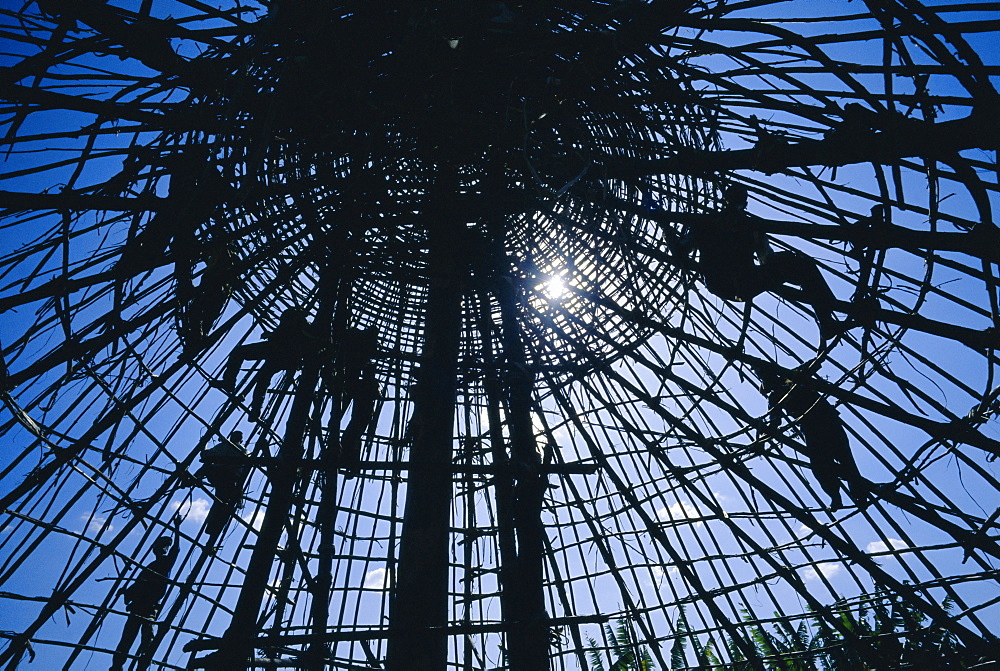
(237,643)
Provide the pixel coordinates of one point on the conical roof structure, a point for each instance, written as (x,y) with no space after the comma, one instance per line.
(593,334)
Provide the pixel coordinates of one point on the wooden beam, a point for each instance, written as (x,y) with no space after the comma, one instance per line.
(201,644)
(418,610)
(527,642)
(237,646)
(903,138)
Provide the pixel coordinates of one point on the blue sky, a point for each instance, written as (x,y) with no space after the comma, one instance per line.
(601,528)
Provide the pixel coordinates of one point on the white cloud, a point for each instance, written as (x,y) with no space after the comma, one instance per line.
(804,530)
(537,426)
(484,418)
(882,546)
(379,579)
(255,519)
(97,524)
(196,510)
(827,569)
(681,510)
(659,573)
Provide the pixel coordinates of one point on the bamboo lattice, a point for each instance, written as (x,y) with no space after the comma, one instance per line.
(500,193)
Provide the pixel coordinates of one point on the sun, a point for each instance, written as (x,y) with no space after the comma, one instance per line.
(555,289)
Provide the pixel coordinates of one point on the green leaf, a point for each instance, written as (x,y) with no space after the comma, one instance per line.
(595,656)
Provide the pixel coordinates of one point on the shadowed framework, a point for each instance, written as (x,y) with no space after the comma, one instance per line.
(541,335)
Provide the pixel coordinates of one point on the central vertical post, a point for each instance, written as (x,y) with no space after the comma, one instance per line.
(524,613)
(419,611)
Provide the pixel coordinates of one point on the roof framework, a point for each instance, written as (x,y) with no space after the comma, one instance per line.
(569,432)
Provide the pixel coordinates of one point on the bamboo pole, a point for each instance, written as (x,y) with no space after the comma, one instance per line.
(419,608)
(330,458)
(528,641)
(386,632)
(238,640)
(503,483)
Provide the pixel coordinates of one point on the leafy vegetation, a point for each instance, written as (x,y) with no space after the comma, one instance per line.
(624,653)
(881,632)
